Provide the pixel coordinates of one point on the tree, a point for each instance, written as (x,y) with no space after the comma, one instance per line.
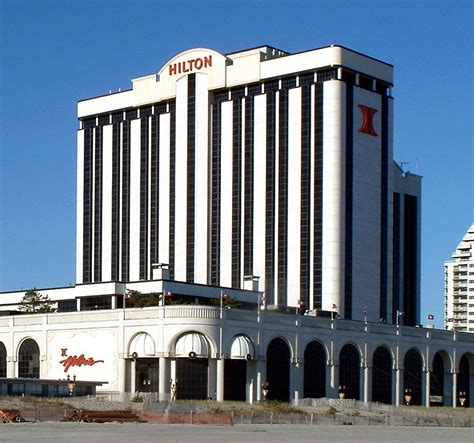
(33,302)
(135,299)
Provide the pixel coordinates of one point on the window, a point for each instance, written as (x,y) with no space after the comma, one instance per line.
(28,360)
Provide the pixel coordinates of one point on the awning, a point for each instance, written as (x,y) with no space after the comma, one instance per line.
(192,345)
(241,348)
(143,344)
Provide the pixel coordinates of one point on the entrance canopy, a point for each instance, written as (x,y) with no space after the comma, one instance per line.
(241,348)
(192,344)
(143,345)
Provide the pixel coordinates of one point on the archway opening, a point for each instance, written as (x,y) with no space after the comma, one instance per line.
(437,381)
(314,370)
(463,381)
(142,349)
(349,372)
(192,367)
(29,360)
(3,360)
(278,370)
(382,376)
(235,369)
(412,381)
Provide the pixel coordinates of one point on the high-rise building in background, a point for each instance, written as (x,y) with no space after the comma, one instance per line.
(459,286)
(255,164)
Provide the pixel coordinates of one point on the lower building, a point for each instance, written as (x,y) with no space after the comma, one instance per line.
(203,350)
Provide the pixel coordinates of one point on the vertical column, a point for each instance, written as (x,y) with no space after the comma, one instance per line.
(220,380)
(333,198)
(163,387)
(134,269)
(226,203)
(201,193)
(181,179)
(454,376)
(164,190)
(294,197)
(133,377)
(367,383)
(259,184)
(121,376)
(79,206)
(426,385)
(398,386)
(261,378)
(296,382)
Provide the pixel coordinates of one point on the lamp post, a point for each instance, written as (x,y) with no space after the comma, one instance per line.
(341,392)
(265,389)
(71,384)
(462,398)
(408,396)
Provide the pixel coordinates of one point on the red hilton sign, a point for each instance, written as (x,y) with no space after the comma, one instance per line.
(194,64)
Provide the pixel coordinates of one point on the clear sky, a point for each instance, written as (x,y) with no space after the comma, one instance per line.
(56,52)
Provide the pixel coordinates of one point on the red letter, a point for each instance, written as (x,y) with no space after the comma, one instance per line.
(191,63)
(172,69)
(208,61)
(198,63)
(367,126)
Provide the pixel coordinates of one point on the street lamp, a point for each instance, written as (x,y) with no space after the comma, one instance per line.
(71,384)
(462,398)
(341,392)
(408,396)
(265,389)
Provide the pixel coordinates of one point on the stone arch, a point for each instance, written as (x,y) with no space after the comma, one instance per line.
(278,369)
(382,364)
(192,351)
(440,370)
(28,359)
(235,367)
(315,358)
(464,377)
(142,349)
(412,375)
(349,371)
(3,360)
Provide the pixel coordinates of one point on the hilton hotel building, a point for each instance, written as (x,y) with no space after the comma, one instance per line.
(257,164)
(266,176)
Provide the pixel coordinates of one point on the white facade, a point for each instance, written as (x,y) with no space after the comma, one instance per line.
(256,163)
(459,286)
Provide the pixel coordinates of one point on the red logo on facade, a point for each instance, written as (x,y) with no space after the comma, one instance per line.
(194,64)
(367,126)
(74,360)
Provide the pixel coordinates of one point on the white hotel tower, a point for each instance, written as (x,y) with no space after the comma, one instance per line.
(459,286)
(253,164)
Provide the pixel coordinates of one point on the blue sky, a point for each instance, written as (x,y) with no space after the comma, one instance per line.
(56,52)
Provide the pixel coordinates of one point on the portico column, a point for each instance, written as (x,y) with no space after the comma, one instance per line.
(220,380)
(11,367)
(367,383)
(133,375)
(261,376)
(296,381)
(114,302)
(163,379)
(121,375)
(333,379)
(426,373)
(455,388)
(399,399)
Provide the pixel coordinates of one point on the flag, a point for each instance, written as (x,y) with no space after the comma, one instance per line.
(128,296)
(430,317)
(167,294)
(224,296)
(365,314)
(450,320)
(334,306)
(400,313)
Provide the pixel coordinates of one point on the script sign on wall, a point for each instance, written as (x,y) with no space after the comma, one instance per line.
(76,360)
